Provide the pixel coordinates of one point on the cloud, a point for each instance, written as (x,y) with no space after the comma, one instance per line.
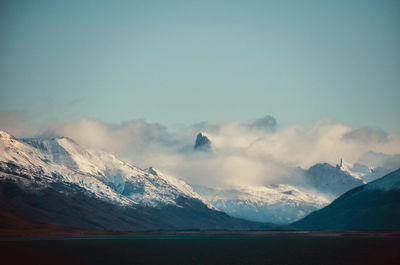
(135,140)
(366,135)
(375,159)
(267,123)
(255,152)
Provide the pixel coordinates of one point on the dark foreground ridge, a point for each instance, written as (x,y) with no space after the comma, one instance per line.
(374,206)
(14,226)
(79,210)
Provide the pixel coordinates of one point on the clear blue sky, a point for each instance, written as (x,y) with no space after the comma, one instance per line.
(180,62)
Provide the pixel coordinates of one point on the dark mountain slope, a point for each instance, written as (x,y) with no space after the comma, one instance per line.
(374,206)
(76,208)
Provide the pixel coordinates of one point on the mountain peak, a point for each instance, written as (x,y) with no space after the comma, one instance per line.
(334,180)
(202,142)
(151,171)
(61,160)
(5,136)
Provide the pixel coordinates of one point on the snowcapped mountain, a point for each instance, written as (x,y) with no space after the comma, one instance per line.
(280,204)
(372,165)
(58,181)
(102,174)
(332,180)
(65,171)
(375,205)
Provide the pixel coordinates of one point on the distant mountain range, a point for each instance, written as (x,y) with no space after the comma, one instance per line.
(310,190)
(57,181)
(280,204)
(283,203)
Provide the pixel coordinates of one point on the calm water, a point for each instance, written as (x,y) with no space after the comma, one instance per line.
(203,250)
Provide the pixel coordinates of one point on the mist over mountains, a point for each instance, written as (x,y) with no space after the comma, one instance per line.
(253,170)
(59,182)
(57,163)
(257,152)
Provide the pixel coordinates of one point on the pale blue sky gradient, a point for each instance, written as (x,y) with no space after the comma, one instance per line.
(181,62)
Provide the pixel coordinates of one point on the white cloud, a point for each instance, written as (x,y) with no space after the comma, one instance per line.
(247,153)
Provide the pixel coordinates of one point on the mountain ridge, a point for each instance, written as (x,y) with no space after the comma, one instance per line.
(59,182)
(373,206)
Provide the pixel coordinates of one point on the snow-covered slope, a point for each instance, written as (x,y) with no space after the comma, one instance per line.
(316,187)
(178,183)
(45,162)
(371,166)
(279,204)
(100,173)
(331,180)
(61,160)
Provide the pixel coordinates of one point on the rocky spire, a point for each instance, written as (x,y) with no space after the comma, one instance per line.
(202,142)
